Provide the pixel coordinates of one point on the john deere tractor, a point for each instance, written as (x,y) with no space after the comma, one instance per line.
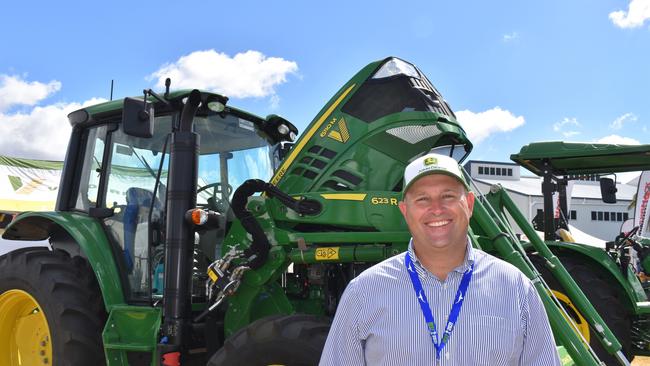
(610,277)
(190,232)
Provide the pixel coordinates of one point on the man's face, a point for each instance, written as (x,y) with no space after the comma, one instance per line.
(437,211)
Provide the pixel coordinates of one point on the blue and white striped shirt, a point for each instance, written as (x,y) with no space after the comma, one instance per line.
(502,321)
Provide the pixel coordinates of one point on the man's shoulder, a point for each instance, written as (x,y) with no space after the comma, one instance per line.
(496,266)
(389,270)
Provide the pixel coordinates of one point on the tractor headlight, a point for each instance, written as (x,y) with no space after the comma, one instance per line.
(286,131)
(283,129)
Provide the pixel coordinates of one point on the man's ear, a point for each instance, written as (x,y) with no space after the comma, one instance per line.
(402,208)
(470,201)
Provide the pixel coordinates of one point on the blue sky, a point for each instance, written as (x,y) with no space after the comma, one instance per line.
(514,72)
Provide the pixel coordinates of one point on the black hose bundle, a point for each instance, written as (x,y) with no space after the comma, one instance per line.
(258,252)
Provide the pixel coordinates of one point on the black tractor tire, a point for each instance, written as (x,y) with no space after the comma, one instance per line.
(66,290)
(290,340)
(604,294)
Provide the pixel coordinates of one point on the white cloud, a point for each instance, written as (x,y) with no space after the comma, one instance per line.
(274,101)
(16,91)
(482,124)
(618,123)
(41,133)
(248,74)
(510,37)
(559,126)
(638,12)
(565,123)
(617,140)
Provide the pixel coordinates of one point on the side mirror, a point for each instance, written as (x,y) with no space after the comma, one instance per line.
(627,226)
(608,190)
(137,118)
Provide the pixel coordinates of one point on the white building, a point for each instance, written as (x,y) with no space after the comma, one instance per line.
(587,212)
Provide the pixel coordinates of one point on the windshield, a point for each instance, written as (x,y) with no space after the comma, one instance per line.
(458,152)
(232,151)
(396,87)
(135,162)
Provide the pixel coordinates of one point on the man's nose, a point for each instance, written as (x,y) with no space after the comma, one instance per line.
(436,206)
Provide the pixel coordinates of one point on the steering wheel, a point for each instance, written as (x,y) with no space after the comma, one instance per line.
(214,202)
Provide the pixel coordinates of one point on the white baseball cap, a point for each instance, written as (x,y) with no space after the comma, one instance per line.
(432,164)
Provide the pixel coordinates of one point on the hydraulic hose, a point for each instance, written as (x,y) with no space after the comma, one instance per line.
(258,251)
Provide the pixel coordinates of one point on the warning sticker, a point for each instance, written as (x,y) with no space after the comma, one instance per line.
(327,254)
(246,124)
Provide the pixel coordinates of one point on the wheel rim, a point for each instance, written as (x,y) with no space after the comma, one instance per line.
(574,315)
(24,333)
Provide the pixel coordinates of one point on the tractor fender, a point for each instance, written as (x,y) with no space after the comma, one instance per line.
(78,235)
(597,257)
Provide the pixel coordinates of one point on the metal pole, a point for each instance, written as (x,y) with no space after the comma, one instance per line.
(547,190)
(564,214)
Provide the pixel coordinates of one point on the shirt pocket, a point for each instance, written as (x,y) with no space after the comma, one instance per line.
(494,341)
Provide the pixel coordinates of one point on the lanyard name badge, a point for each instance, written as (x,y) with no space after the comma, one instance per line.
(426,309)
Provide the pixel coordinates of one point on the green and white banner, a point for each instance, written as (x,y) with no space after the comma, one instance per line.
(32,185)
(28,185)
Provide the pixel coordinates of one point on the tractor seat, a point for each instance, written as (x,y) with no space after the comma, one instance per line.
(136,198)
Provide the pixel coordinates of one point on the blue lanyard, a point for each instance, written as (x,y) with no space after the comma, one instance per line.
(426,309)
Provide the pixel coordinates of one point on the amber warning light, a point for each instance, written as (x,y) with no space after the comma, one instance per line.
(205,219)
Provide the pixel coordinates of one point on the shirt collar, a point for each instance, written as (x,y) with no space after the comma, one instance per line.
(470,257)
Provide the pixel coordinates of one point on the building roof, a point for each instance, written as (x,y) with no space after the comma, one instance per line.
(532,186)
(529,186)
(470,162)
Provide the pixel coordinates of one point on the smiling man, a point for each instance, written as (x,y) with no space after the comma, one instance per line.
(442,302)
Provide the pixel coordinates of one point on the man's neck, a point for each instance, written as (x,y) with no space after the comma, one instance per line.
(440,262)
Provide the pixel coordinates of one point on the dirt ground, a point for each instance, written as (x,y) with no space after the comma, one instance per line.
(641,361)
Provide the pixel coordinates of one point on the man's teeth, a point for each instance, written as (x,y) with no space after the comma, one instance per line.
(438,223)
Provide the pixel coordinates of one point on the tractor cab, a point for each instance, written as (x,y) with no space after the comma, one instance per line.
(119,174)
(558,162)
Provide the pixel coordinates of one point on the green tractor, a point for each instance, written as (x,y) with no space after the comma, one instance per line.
(607,277)
(163,252)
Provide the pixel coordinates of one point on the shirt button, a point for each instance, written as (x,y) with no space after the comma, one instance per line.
(446,355)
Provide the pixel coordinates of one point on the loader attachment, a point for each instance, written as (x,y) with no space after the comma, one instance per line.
(490,224)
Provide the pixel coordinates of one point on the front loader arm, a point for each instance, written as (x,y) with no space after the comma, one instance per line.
(488,220)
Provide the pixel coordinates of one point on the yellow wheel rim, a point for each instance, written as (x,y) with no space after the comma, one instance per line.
(24,334)
(574,315)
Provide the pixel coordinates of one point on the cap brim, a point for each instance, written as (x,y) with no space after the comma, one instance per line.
(429,172)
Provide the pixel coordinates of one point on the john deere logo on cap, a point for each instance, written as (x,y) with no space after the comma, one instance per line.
(430,161)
